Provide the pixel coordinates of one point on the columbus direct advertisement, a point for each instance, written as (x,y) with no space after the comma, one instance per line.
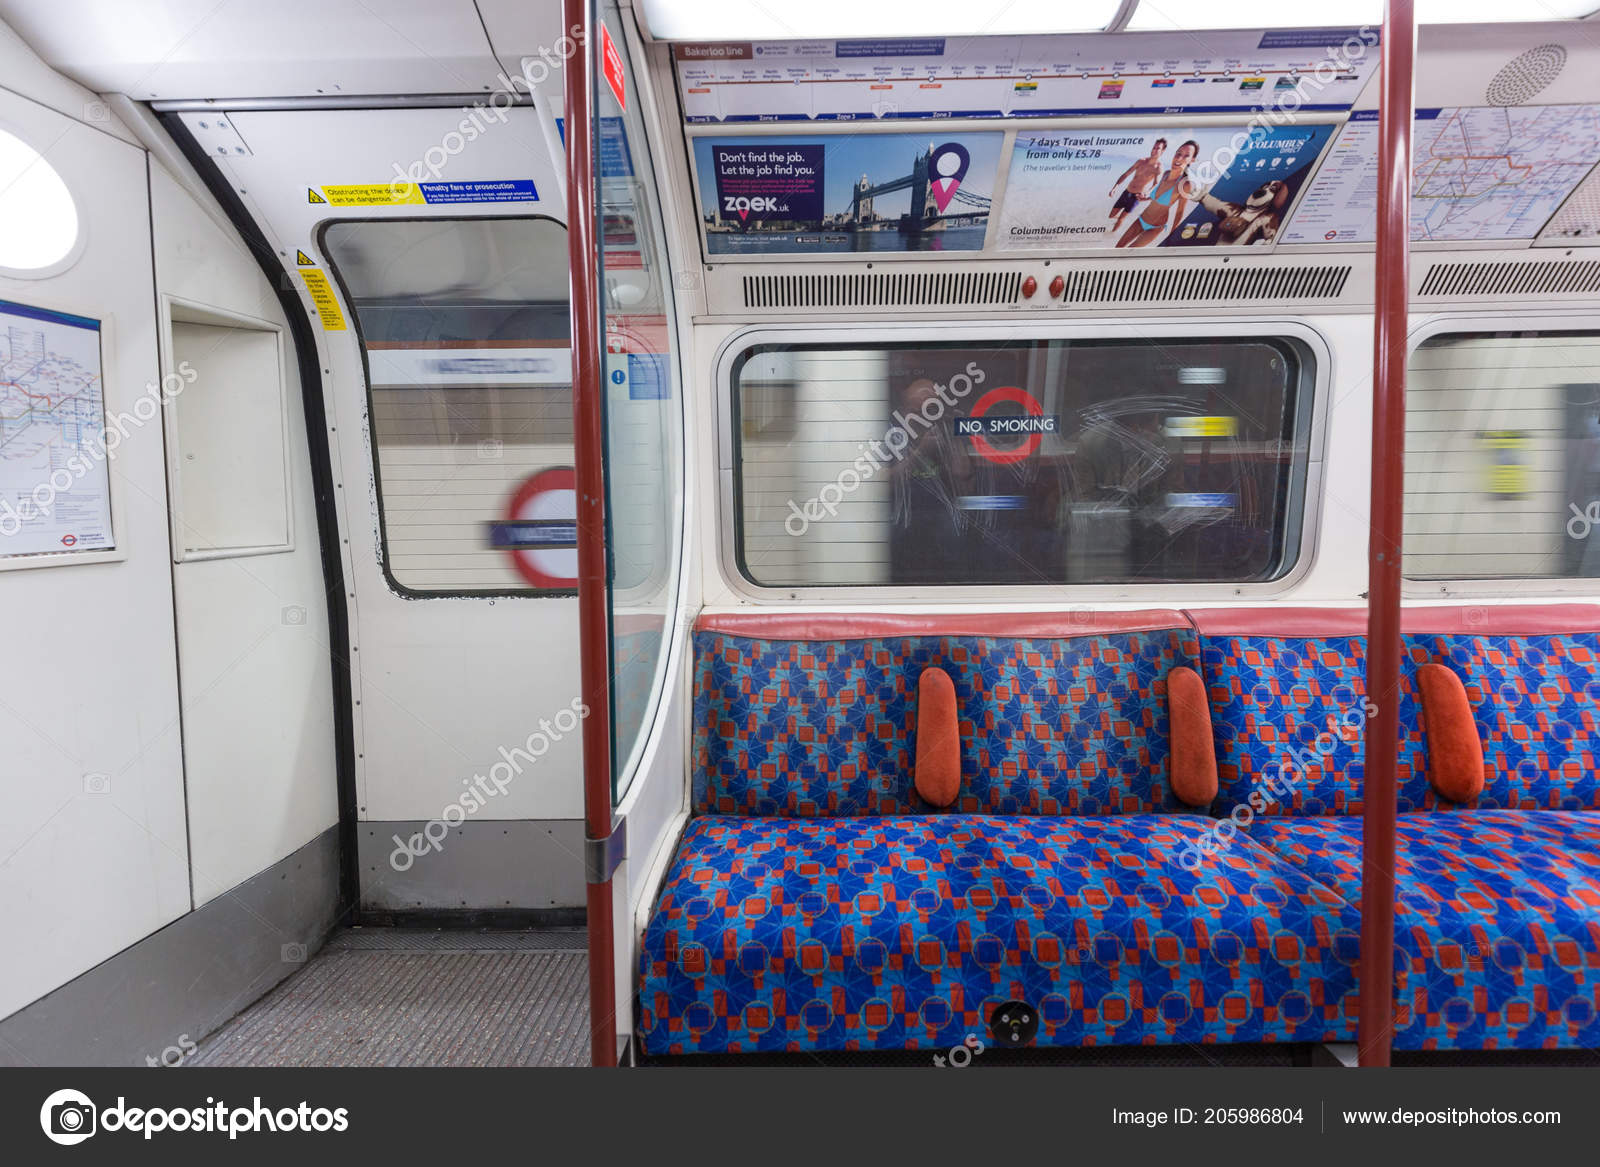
(1227,186)
(860,192)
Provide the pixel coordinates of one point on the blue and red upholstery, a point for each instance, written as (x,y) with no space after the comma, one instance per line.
(816,903)
(1497,921)
(1497,929)
(1288,706)
(1533,677)
(804,718)
(904,932)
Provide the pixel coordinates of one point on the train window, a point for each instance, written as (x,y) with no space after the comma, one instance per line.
(38,219)
(1503,456)
(644,402)
(1035,462)
(464,326)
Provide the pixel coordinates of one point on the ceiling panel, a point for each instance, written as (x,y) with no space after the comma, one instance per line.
(251,48)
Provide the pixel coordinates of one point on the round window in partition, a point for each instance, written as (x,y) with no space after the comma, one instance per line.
(38,219)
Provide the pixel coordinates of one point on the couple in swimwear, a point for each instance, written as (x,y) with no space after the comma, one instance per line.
(1168,196)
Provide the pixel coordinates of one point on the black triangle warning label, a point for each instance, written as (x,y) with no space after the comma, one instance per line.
(303,259)
(312,196)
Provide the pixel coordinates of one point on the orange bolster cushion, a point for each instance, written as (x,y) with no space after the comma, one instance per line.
(938,772)
(1194,755)
(1455,751)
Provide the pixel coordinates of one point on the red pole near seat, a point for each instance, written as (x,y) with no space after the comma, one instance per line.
(589,441)
(1383,544)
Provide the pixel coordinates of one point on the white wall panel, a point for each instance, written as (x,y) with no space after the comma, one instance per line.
(89,684)
(252,631)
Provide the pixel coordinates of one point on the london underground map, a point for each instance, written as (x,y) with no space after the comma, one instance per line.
(54,485)
(1478,173)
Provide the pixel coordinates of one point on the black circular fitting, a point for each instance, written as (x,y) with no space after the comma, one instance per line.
(1012,1024)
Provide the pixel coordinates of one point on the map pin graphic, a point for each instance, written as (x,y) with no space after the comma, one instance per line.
(947,168)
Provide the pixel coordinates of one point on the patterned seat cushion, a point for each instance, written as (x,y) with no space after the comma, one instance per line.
(1288,714)
(903,932)
(1535,699)
(1284,711)
(1497,921)
(800,728)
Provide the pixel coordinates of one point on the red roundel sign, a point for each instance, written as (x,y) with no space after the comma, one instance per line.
(542,521)
(1014,396)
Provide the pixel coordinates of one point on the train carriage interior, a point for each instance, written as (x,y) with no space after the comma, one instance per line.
(921,535)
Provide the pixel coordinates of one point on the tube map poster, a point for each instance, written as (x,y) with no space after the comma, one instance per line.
(1155,187)
(55,493)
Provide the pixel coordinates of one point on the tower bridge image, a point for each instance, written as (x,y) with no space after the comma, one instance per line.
(925,214)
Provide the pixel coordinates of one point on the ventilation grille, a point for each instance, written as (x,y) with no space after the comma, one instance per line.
(904,289)
(1146,284)
(1524,278)
(1141,284)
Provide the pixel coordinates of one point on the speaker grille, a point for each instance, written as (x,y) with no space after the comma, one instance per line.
(1522,78)
(1514,278)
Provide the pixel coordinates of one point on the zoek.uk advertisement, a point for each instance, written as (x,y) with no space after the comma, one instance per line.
(861,192)
(1223,186)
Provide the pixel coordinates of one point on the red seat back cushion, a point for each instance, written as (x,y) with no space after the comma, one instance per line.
(1455,751)
(1194,757)
(938,772)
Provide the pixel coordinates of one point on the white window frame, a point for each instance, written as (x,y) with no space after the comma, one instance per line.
(1162,593)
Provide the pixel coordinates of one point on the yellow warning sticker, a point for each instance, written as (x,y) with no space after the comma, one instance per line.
(322,296)
(313,197)
(373,194)
(303,259)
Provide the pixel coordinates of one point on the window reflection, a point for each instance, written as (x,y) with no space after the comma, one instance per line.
(1043,462)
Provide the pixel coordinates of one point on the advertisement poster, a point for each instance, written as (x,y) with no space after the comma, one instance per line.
(861,192)
(1155,187)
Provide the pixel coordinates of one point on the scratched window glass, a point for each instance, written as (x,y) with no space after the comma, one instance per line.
(1024,463)
(464,328)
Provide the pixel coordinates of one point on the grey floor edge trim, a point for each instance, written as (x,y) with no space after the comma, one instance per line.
(488,864)
(154,1000)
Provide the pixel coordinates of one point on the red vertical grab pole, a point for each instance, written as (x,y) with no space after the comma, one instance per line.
(1383,544)
(589,441)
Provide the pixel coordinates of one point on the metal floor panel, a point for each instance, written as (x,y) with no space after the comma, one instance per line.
(382,997)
